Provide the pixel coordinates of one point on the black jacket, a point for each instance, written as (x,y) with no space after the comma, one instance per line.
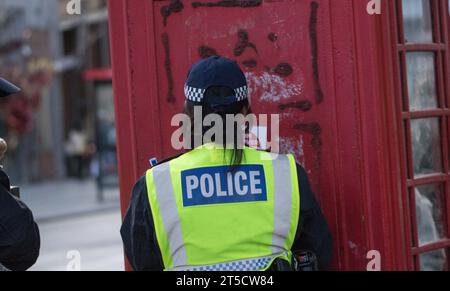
(143,252)
(19,234)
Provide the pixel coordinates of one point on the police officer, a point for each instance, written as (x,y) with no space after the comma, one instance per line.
(19,234)
(222,208)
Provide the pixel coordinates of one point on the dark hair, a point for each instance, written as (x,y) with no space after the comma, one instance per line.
(224,110)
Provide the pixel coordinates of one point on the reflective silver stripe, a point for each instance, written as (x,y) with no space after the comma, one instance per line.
(254,264)
(169,213)
(282,202)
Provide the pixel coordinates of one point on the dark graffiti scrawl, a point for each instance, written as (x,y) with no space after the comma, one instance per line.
(314,51)
(315,130)
(250,63)
(229,3)
(283,69)
(273,37)
(175,6)
(312,128)
(304,105)
(205,51)
(168,66)
(243,43)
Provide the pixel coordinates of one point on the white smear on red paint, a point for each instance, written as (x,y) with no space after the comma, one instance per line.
(240,24)
(353,247)
(291,145)
(272,88)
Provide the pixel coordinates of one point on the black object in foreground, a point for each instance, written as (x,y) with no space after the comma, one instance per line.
(305,261)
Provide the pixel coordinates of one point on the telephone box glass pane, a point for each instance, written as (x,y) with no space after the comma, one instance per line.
(434,261)
(417,21)
(430,214)
(421,81)
(426,146)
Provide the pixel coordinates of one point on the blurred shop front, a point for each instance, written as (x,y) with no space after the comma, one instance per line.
(51,126)
(104,166)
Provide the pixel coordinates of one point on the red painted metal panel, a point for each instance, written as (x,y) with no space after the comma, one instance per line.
(98,75)
(320,64)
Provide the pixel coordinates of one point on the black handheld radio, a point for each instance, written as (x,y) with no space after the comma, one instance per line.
(305,261)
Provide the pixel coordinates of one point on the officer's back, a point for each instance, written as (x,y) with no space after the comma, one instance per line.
(222,208)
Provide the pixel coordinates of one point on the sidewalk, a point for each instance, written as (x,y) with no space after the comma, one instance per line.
(63,199)
(71,220)
(94,237)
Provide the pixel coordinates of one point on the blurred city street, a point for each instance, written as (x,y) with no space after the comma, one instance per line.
(56,199)
(60,129)
(71,219)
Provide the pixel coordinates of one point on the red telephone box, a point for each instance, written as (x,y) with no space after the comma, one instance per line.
(363,101)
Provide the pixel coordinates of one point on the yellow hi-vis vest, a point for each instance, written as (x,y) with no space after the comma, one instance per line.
(209,218)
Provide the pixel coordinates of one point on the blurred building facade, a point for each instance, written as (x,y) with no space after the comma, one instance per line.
(45,51)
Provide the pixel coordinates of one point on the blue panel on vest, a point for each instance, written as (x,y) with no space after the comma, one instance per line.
(217,185)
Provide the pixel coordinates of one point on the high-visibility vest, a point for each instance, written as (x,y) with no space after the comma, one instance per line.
(207,217)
